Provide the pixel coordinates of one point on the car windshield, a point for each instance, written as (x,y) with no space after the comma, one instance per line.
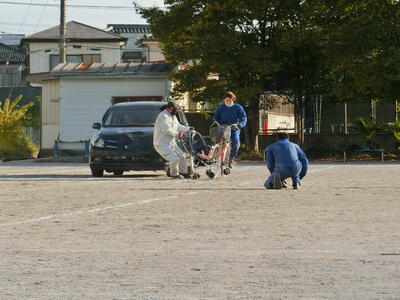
(131,117)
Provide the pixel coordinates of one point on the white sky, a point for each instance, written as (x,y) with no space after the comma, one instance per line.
(28,19)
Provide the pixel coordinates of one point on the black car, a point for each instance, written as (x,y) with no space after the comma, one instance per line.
(124,140)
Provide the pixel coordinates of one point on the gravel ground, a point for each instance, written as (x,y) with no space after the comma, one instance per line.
(66,235)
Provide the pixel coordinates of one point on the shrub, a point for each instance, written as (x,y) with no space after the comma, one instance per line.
(251,155)
(367,128)
(394,129)
(13,142)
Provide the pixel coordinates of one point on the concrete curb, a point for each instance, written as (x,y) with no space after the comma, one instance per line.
(65,159)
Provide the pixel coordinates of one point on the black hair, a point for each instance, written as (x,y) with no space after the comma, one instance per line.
(283,136)
(169,104)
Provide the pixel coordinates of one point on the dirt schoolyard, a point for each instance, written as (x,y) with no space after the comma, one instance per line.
(66,235)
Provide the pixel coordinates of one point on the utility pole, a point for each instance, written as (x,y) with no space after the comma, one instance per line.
(63,44)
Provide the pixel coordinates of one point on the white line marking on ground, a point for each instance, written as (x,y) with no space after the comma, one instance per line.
(99,209)
(323,169)
(93,210)
(45,173)
(279,251)
(191,193)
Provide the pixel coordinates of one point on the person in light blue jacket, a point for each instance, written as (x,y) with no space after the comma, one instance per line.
(285,160)
(230,113)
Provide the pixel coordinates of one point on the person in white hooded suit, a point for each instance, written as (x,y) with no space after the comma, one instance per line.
(167,130)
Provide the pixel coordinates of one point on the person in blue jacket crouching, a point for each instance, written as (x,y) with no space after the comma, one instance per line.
(285,160)
(230,113)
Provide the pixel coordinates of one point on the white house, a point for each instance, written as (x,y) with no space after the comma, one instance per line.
(152,50)
(74,96)
(132,51)
(85,44)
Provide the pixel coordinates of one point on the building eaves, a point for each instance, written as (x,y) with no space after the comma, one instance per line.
(75,32)
(130,28)
(127,70)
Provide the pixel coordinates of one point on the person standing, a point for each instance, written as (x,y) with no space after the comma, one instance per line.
(167,130)
(230,113)
(285,160)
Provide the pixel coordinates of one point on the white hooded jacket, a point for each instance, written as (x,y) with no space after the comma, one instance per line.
(166,129)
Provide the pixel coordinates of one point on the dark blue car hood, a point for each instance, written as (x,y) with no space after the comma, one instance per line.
(136,140)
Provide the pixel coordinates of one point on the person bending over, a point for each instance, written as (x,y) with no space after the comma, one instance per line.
(167,130)
(285,160)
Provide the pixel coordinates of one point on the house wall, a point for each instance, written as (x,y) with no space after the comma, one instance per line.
(39,60)
(152,51)
(50,113)
(84,101)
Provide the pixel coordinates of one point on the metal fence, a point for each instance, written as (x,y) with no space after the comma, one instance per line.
(329,117)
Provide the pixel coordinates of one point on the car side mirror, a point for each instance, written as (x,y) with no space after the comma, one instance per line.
(96,126)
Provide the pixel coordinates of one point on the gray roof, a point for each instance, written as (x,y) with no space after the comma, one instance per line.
(11,39)
(130,28)
(147,69)
(75,32)
(10,54)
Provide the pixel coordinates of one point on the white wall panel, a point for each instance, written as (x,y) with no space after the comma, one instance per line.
(280,121)
(84,101)
(48,135)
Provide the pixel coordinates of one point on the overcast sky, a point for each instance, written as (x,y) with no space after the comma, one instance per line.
(36,15)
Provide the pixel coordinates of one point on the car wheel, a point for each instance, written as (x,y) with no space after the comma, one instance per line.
(97,172)
(118,173)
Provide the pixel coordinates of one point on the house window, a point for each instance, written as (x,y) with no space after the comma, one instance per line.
(91,58)
(10,76)
(132,56)
(135,98)
(75,58)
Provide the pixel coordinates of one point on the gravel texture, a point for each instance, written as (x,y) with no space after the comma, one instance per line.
(66,235)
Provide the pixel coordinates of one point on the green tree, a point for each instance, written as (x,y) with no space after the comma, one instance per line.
(344,49)
(13,141)
(364,49)
(254,46)
(229,38)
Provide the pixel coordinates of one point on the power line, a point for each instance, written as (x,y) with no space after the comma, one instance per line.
(41,15)
(70,5)
(26,14)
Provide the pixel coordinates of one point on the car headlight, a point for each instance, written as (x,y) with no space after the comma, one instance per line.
(99,143)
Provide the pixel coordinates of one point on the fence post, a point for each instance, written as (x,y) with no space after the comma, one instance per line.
(56,148)
(346,124)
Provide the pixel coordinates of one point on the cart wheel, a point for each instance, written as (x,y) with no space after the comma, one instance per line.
(210,174)
(196,176)
(227,171)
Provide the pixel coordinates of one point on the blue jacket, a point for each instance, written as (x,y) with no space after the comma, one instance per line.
(225,115)
(285,156)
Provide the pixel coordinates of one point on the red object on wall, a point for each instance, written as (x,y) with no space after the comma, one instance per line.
(265,126)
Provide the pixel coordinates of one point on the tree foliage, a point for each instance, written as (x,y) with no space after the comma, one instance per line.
(364,49)
(13,141)
(344,49)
